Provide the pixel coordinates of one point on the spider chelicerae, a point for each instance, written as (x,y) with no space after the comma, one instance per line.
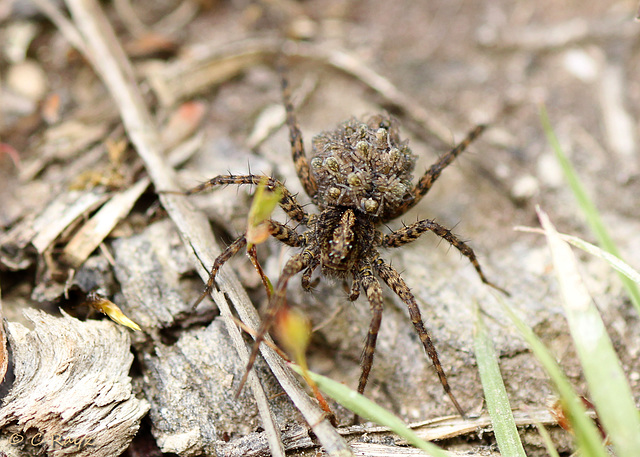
(359,177)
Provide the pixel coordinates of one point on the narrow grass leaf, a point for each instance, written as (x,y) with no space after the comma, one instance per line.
(495,394)
(587,435)
(588,207)
(364,407)
(608,386)
(546,439)
(615,262)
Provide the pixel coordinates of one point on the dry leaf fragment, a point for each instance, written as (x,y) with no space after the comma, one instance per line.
(109,308)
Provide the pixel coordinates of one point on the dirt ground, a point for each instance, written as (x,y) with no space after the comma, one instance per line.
(206,73)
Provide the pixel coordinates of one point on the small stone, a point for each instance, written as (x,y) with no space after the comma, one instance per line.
(27,78)
(525,187)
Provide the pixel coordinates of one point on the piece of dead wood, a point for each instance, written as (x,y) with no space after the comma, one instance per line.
(191,382)
(559,35)
(64,141)
(444,428)
(382,450)
(87,239)
(186,77)
(273,116)
(42,229)
(72,394)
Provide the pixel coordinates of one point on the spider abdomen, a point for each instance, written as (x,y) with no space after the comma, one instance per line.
(362,165)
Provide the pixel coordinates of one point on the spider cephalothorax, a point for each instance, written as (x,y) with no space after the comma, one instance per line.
(359,177)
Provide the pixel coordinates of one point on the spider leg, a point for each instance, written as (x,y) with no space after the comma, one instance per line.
(372,288)
(288,202)
(393,279)
(229,252)
(297,146)
(433,173)
(285,234)
(279,231)
(306,276)
(294,265)
(412,232)
(355,289)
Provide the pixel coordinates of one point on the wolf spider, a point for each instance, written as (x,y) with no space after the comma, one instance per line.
(359,177)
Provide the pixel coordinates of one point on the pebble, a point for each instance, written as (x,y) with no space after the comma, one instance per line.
(28,79)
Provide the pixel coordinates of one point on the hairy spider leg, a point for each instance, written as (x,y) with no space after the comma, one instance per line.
(395,282)
(294,265)
(279,231)
(412,232)
(288,202)
(433,173)
(306,282)
(297,146)
(354,293)
(373,290)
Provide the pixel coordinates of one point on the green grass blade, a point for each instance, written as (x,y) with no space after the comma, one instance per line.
(586,434)
(615,262)
(546,439)
(364,407)
(608,386)
(588,208)
(495,394)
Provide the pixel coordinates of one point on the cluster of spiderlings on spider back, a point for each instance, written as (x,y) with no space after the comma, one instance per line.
(363,165)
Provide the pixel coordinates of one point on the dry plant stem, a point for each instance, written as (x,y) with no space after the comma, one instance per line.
(444,428)
(112,65)
(114,68)
(351,65)
(180,80)
(96,230)
(316,392)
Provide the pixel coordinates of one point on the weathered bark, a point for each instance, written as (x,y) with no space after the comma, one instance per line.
(72,393)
